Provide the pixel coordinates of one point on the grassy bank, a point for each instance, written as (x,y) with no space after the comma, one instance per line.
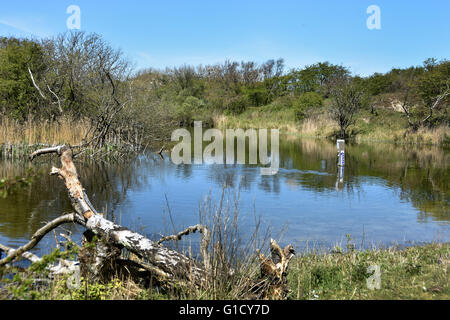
(384,126)
(413,273)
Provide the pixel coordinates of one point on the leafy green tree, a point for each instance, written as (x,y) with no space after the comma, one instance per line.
(18,97)
(434,90)
(425,93)
(189,107)
(317,77)
(257,95)
(378,83)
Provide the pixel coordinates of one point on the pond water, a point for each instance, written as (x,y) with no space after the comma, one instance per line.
(387,195)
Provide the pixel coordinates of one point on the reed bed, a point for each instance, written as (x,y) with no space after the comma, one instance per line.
(33,132)
(18,140)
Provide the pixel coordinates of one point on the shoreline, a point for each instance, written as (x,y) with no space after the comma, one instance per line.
(319,126)
(418,272)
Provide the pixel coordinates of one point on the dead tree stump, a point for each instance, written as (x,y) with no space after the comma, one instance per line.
(273,283)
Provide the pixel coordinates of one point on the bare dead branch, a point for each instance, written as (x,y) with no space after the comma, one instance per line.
(38,235)
(275,269)
(57,98)
(169,261)
(160,152)
(438,100)
(27,255)
(190,230)
(35,85)
(39,152)
(205,241)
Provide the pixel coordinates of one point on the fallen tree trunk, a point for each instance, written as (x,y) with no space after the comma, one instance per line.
(165,262)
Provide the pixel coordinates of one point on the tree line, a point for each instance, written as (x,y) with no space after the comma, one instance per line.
(79,75)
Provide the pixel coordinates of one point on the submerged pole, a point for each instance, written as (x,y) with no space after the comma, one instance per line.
(341,152)
(340,164)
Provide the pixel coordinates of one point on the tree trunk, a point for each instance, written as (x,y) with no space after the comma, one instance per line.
(166,263)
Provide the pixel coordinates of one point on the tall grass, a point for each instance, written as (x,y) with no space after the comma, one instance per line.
(231,251)
(18,139)
(228,251)
(385,126)
(259,118)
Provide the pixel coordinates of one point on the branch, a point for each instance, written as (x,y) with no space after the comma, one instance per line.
(57,98)
(437,102)
(277,266)
(160,152)
(35,85)
(405,108)
(39,152)
(205,241)
(69,174)
(13,254)
(27,255)
(177,237)
(273,281)
(169,261)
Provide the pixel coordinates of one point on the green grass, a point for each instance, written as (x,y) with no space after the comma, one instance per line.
(414,273)
(419,272)
(385,125)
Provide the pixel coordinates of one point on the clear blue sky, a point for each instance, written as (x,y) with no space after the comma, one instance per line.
(170,33)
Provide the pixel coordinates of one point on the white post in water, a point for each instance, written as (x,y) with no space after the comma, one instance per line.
(341,164)
(341,152)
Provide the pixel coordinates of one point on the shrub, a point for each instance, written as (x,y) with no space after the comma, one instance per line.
(283,102)
(257,96)
(236,105)
(188,108)
(306,102)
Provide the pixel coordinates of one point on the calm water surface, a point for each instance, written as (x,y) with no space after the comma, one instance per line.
(388,195)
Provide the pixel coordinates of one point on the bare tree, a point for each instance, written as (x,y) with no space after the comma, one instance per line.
(250,73)
(419,111)
(86,78)
(347,99)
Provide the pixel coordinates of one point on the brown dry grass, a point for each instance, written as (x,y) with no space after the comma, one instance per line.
(36,132)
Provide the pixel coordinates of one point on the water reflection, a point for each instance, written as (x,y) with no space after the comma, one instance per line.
(391,192)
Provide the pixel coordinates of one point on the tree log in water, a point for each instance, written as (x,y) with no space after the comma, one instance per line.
(165,264)
(168,263)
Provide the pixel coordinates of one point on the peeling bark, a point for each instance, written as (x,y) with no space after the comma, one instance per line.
(170,262)
(204,245)
(149,257)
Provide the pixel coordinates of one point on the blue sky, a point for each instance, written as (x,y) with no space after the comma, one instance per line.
(171,33)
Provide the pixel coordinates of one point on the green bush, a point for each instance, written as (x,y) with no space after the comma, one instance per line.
(186,110)
(281,103)
(237,105)
(257,96)
(306,102)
